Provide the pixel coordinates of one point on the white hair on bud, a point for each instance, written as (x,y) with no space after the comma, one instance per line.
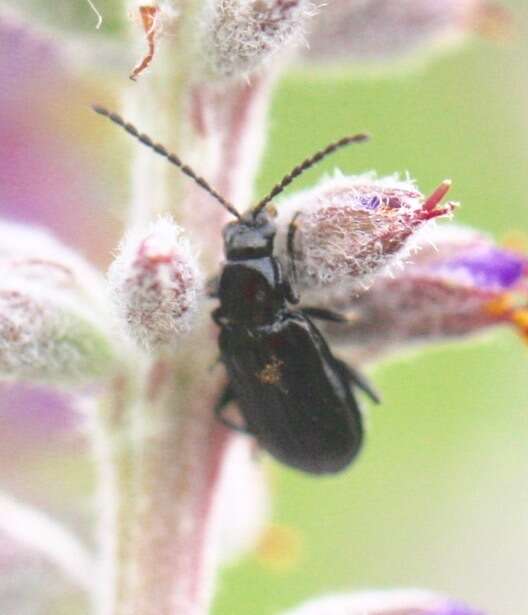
(37,256)
(48,334)
(155,284)
(53,315)
(347,229)
(237,36)
(436,241)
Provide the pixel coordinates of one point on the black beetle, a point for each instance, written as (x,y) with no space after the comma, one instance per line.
(295,396)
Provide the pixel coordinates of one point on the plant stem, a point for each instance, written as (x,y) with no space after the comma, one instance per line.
(161,451)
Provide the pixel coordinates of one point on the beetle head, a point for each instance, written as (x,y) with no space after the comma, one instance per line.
(251,237)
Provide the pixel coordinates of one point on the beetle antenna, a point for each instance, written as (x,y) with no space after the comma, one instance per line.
(304,166)
(159,149)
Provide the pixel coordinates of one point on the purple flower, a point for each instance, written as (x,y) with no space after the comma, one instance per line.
(61,195)
(172,481)
(379,31)
(348,229)
(458,282)
(389,602)
(488,267)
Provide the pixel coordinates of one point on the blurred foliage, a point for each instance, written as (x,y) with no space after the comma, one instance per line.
(76,15)
(438,498)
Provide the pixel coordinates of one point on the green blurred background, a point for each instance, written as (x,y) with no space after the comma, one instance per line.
(439,497)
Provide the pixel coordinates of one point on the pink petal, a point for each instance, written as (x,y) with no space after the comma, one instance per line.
(378,31)
(462,286)
(390,602)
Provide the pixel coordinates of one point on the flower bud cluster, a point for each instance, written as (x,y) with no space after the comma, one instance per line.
(155,284)
(383,30)
(53,326)
(47,336)
(458,283)
(349,228)
(238,36)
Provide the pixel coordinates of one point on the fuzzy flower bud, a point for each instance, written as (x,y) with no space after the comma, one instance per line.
(48,336)
(395,602)
(349,228)
(382,30)
(28,585)
(34,255)
(53,324)
(238,36)
(459,283)
(155,284)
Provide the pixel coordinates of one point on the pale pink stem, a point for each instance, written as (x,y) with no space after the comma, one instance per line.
(178,472)
(168,473)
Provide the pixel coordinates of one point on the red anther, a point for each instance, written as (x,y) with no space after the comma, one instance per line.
(148,17)
(447,209)
(436,197)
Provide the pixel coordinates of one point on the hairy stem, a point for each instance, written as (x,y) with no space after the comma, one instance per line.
(179,463)
(114,452)
(161,456)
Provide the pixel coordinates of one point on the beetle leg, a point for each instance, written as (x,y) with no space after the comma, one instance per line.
(227,396)
(324,314)
(358,379)
(218,317)
(291,292)
(211,287)
(292,296)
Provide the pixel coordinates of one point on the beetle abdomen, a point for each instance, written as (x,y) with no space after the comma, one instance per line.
(292,394)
